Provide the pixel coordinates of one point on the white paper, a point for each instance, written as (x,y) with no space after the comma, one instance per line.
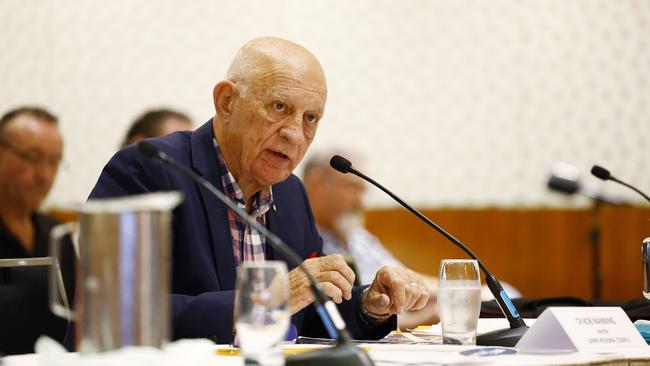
(484,325)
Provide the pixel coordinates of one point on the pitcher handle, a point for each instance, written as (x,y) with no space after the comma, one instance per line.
(59,308)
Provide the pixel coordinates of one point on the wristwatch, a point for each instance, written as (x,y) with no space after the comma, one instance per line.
(368,317)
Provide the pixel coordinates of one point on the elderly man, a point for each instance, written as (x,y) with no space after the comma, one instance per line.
(267,113)
(30,151)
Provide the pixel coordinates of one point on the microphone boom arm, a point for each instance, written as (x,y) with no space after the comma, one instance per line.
(501,337)
(492,282)
(631,187)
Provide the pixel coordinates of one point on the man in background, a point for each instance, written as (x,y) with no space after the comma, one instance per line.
(155,123)
(31,148)
(337,203)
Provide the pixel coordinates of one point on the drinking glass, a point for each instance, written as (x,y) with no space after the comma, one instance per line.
(459,300)
(262,315)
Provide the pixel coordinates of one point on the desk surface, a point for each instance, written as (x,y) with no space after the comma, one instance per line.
(383,355)
(199,352)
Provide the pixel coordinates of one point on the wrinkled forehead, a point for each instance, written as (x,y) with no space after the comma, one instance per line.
(292,65)
(278,68)
(282,85)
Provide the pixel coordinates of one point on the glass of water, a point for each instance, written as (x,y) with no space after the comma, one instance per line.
(459,300)
(262,316)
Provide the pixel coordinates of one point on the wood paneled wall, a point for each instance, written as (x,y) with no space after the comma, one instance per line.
(542,252)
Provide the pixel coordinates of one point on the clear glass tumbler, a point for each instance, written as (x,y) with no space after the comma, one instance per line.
(459,300)
(262,315)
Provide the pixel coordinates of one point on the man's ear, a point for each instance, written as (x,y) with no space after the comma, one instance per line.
(223,96)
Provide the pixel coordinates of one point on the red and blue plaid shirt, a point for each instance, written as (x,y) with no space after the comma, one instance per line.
(247,243)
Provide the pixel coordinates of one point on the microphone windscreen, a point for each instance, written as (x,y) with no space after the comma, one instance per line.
(148,149)
(340,163)
(600,172)
(564,185)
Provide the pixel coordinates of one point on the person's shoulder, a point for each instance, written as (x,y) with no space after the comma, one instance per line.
(130,171)
(291,184)
(364,239)
(180,144)
(290,190)
(43,223)
(45,220)
(174,144)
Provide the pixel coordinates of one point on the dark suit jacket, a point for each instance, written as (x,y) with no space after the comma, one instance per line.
(204,270)
(24,296)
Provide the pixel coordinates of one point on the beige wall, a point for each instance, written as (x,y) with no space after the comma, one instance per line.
(458,103)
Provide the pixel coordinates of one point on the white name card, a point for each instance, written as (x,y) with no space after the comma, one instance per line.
(581,329)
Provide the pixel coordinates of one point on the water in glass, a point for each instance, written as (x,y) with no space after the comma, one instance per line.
(459,300)
(262,316)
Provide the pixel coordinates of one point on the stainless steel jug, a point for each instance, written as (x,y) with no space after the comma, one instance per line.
(123,272)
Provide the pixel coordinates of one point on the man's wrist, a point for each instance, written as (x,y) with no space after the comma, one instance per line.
(367,316)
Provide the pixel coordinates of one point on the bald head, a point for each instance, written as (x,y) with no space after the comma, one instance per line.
(261,57)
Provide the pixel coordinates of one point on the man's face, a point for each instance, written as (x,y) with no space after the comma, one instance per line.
(30,153)
(345,194)
(273,123)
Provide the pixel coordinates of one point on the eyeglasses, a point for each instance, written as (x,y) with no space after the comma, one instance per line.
(31,157)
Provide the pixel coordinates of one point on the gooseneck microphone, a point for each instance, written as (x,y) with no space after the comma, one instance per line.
(344,353)
(604,174)
(502,337)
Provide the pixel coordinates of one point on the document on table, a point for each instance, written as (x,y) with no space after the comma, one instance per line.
(484,325)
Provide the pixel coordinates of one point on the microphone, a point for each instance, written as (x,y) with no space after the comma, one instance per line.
(600,172)
(604,174)
(564,179)
(502,337)
(344,353)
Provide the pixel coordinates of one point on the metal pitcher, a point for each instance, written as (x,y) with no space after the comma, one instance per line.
(123,272)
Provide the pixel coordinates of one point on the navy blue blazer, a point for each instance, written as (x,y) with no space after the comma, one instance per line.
(204,268)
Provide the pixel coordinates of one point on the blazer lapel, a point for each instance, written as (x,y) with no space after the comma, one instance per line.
(204,161)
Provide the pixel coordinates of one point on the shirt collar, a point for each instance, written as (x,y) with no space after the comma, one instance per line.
(262,200)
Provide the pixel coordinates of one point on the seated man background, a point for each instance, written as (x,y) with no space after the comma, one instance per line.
(156,123)
(337,203)
(31,147)
(267,113)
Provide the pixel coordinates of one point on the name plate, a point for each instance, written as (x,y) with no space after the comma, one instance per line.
(581,329)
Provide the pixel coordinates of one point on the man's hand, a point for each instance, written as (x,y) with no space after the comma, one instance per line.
(334,275)
(394,291)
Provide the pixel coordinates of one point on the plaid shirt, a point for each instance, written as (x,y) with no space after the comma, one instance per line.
(247,243)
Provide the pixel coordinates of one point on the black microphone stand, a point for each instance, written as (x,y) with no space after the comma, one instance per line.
(502,337)
(594,239)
